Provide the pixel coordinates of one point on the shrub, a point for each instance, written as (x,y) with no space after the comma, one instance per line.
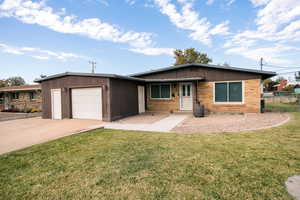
(33,110)
(11,110)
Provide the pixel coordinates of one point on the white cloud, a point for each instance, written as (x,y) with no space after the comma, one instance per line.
(153,51)
(38,53)
(221,29)
(229,2)
(277,22)
(104,2)
(39,13)
(10,50)
(41,57)
(188,19)
(131,2)
(209,2)
(274,54)
(257,3)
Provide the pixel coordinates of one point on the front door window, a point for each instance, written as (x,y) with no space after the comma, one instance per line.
(186,100)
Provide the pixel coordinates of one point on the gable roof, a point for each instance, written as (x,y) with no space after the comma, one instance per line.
(87,75)
(264,73)
(20,88)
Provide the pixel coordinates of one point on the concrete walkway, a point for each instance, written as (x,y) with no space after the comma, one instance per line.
(164,125)
(293,186)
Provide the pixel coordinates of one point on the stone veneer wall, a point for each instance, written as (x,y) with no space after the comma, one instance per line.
(24,102)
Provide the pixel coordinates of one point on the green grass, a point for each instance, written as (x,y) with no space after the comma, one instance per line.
(282,107)
(110,164)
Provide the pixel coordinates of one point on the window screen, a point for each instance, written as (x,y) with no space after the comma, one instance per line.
(165,91)
(229,92)
(32,95)
(160,91)
(235,92)
(15,95)
(221,92)
(155,93)
(188,88)
(183,90)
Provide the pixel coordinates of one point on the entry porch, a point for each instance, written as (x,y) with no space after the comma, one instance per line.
(172,95)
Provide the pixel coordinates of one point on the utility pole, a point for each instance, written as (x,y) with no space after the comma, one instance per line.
(93,64)
(261,64)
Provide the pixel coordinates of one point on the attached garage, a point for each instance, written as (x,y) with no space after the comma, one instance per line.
(87,103)
(104,97)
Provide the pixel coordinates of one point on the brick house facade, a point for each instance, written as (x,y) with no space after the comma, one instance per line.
(246,86)
(22,98)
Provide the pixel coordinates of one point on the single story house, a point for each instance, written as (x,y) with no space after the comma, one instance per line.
(22,98)
(110,97)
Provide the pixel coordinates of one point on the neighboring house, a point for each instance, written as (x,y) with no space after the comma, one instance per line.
(282,84)
(173,89)
(23,97)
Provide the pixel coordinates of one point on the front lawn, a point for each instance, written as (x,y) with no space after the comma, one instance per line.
(282,107)
(110,164)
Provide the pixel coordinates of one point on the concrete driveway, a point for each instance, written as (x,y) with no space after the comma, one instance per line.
(5,116)
(18,134)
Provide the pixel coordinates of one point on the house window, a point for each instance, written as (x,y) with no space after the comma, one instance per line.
(161,91)
(15,95)
(32,95)
(229,92)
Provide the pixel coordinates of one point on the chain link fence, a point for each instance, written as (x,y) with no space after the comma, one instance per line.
(282,101)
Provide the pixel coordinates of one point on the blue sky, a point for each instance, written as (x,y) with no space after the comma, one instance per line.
(128,36)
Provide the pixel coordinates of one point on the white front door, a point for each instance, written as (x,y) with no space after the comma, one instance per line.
(186,96)
(56,103)
(87,103)
(141,96)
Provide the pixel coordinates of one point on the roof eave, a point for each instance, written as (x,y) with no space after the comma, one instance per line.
(173,80)
(268,73)
(87,75)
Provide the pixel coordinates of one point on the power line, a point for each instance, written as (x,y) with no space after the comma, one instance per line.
(286,68)
(287,72)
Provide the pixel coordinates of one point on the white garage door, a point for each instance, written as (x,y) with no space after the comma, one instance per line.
(87,103)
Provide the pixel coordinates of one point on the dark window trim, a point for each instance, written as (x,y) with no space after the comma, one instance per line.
(160,89)
(229,102)
(13,95)
(32,93)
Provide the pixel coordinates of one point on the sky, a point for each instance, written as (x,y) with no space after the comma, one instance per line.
(129,36)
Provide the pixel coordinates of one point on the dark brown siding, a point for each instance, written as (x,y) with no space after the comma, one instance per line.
(124,98)
(210,74)
(66,84)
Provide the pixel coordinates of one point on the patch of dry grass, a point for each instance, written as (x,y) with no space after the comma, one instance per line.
(111,164)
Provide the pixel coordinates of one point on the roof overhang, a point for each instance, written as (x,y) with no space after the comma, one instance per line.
(87,75)
(8,89)
(265,74)
(173,80)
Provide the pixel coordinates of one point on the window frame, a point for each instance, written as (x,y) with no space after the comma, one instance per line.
(159,84)
(229,102)
(34,95)
(15,93)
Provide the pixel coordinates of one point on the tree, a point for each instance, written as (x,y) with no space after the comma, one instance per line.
(297,76)
(279,78)
(226,64)
(190,55)
(269,84)
(3,83)
(15,81)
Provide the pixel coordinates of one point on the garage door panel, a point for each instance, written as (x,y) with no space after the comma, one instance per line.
(87,103)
